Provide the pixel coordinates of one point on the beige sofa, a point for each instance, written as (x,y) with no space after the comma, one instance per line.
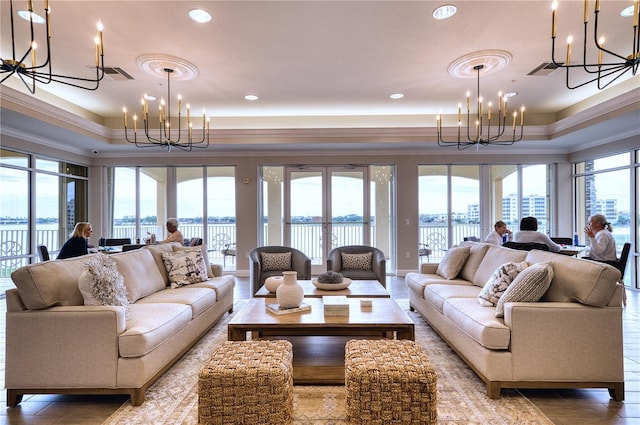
(571,338)
(56,344)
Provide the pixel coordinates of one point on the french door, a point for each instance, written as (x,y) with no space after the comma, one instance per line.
(325,207)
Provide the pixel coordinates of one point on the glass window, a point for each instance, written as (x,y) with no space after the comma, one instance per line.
(433,208)
(14,158)
(535,199)
(14,218)
(190,201)
(123,204)
(465,202)
(221,214)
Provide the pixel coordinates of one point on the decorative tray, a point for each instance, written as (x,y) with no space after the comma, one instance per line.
(331,286)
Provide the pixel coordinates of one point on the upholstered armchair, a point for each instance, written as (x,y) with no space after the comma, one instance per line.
(267,261)
(351,263)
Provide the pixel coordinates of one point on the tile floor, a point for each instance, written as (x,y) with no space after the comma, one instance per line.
(563,407)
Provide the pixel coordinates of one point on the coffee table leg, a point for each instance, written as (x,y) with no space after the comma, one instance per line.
(234,334)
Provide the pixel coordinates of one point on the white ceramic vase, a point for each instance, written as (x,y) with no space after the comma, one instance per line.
(272,283)
(290,294)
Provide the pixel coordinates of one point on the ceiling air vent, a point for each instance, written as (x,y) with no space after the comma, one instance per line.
(544,69)
(116,74)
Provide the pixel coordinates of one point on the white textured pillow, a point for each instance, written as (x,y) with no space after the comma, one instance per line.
(185,267)
(356,261)
(499,281)
(275,261)
(102,284)
(529,286)
(453,261)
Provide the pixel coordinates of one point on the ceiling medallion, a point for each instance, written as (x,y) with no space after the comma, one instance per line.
(156,63)
(492,61)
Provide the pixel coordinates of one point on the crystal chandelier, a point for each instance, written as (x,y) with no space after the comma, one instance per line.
(26,66)
(482,133)
(162,137)
(603,73)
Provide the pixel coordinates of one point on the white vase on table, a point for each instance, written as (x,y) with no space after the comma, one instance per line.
(290,293)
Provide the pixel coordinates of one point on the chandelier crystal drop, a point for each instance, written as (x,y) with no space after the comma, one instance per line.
(608,68)
(27,68)
(479,130)
(162,136)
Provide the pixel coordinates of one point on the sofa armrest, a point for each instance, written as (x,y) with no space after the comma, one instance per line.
(428,268)
(63,347)
(216,270)
(565,342)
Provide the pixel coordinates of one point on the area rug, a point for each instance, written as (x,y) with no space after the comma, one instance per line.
(462,398)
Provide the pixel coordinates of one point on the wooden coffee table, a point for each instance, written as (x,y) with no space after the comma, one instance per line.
(357,288)
(318,341)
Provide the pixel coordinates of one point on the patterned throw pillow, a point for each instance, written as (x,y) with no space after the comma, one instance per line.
(453,261)
(275,261)
(528,287)
(185,267)
(499,281)
(102,284)
(205,255)
(356,261)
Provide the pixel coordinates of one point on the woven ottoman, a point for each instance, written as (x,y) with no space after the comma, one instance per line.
(247,382)
(389,382)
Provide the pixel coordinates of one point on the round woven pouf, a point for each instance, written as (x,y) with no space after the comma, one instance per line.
(272,283)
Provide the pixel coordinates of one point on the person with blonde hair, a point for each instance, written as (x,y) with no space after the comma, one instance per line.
(175,235)
(78,243)
(496,237)
(603,245)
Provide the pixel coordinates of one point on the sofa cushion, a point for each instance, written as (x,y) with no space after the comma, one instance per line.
(493,258)
(199,299)
(275,261)
(499,281)
(50,283)
(223,285)
(476,254)
(140,272)
(437,294)
(453,261)
(156,251)
(150,325)
(574,279)
(528,286)
(356,261)
(478,322)
(185,267)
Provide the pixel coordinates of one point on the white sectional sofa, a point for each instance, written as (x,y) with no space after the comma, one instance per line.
(56,344)
(570,338)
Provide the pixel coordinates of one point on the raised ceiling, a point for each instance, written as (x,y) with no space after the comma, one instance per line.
(323,71)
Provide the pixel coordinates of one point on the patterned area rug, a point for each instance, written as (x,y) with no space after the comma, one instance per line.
(462,399)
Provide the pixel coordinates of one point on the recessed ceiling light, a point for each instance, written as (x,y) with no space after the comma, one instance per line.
(201,16)
(627,12)
(397,96)
(150,97)
(511,94)
(445,12)
(251,97)
(25,14)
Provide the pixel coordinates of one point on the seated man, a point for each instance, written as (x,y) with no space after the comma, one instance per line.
(529,233)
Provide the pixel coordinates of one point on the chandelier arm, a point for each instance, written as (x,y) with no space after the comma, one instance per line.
(598,77)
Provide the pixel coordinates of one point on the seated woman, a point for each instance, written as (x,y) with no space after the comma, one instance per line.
(496,237)
(603,245)
(78,243)
(175,235)
(529,233)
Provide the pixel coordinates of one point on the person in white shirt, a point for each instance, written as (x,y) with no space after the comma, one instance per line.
(603,245)
(495,237)
(529,233)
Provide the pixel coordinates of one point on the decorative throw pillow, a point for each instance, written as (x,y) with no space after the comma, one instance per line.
(499,281)
(275,261)
(184,267)
(356,261)
(453,261)
(529,286)
(102,284)
(205,255)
